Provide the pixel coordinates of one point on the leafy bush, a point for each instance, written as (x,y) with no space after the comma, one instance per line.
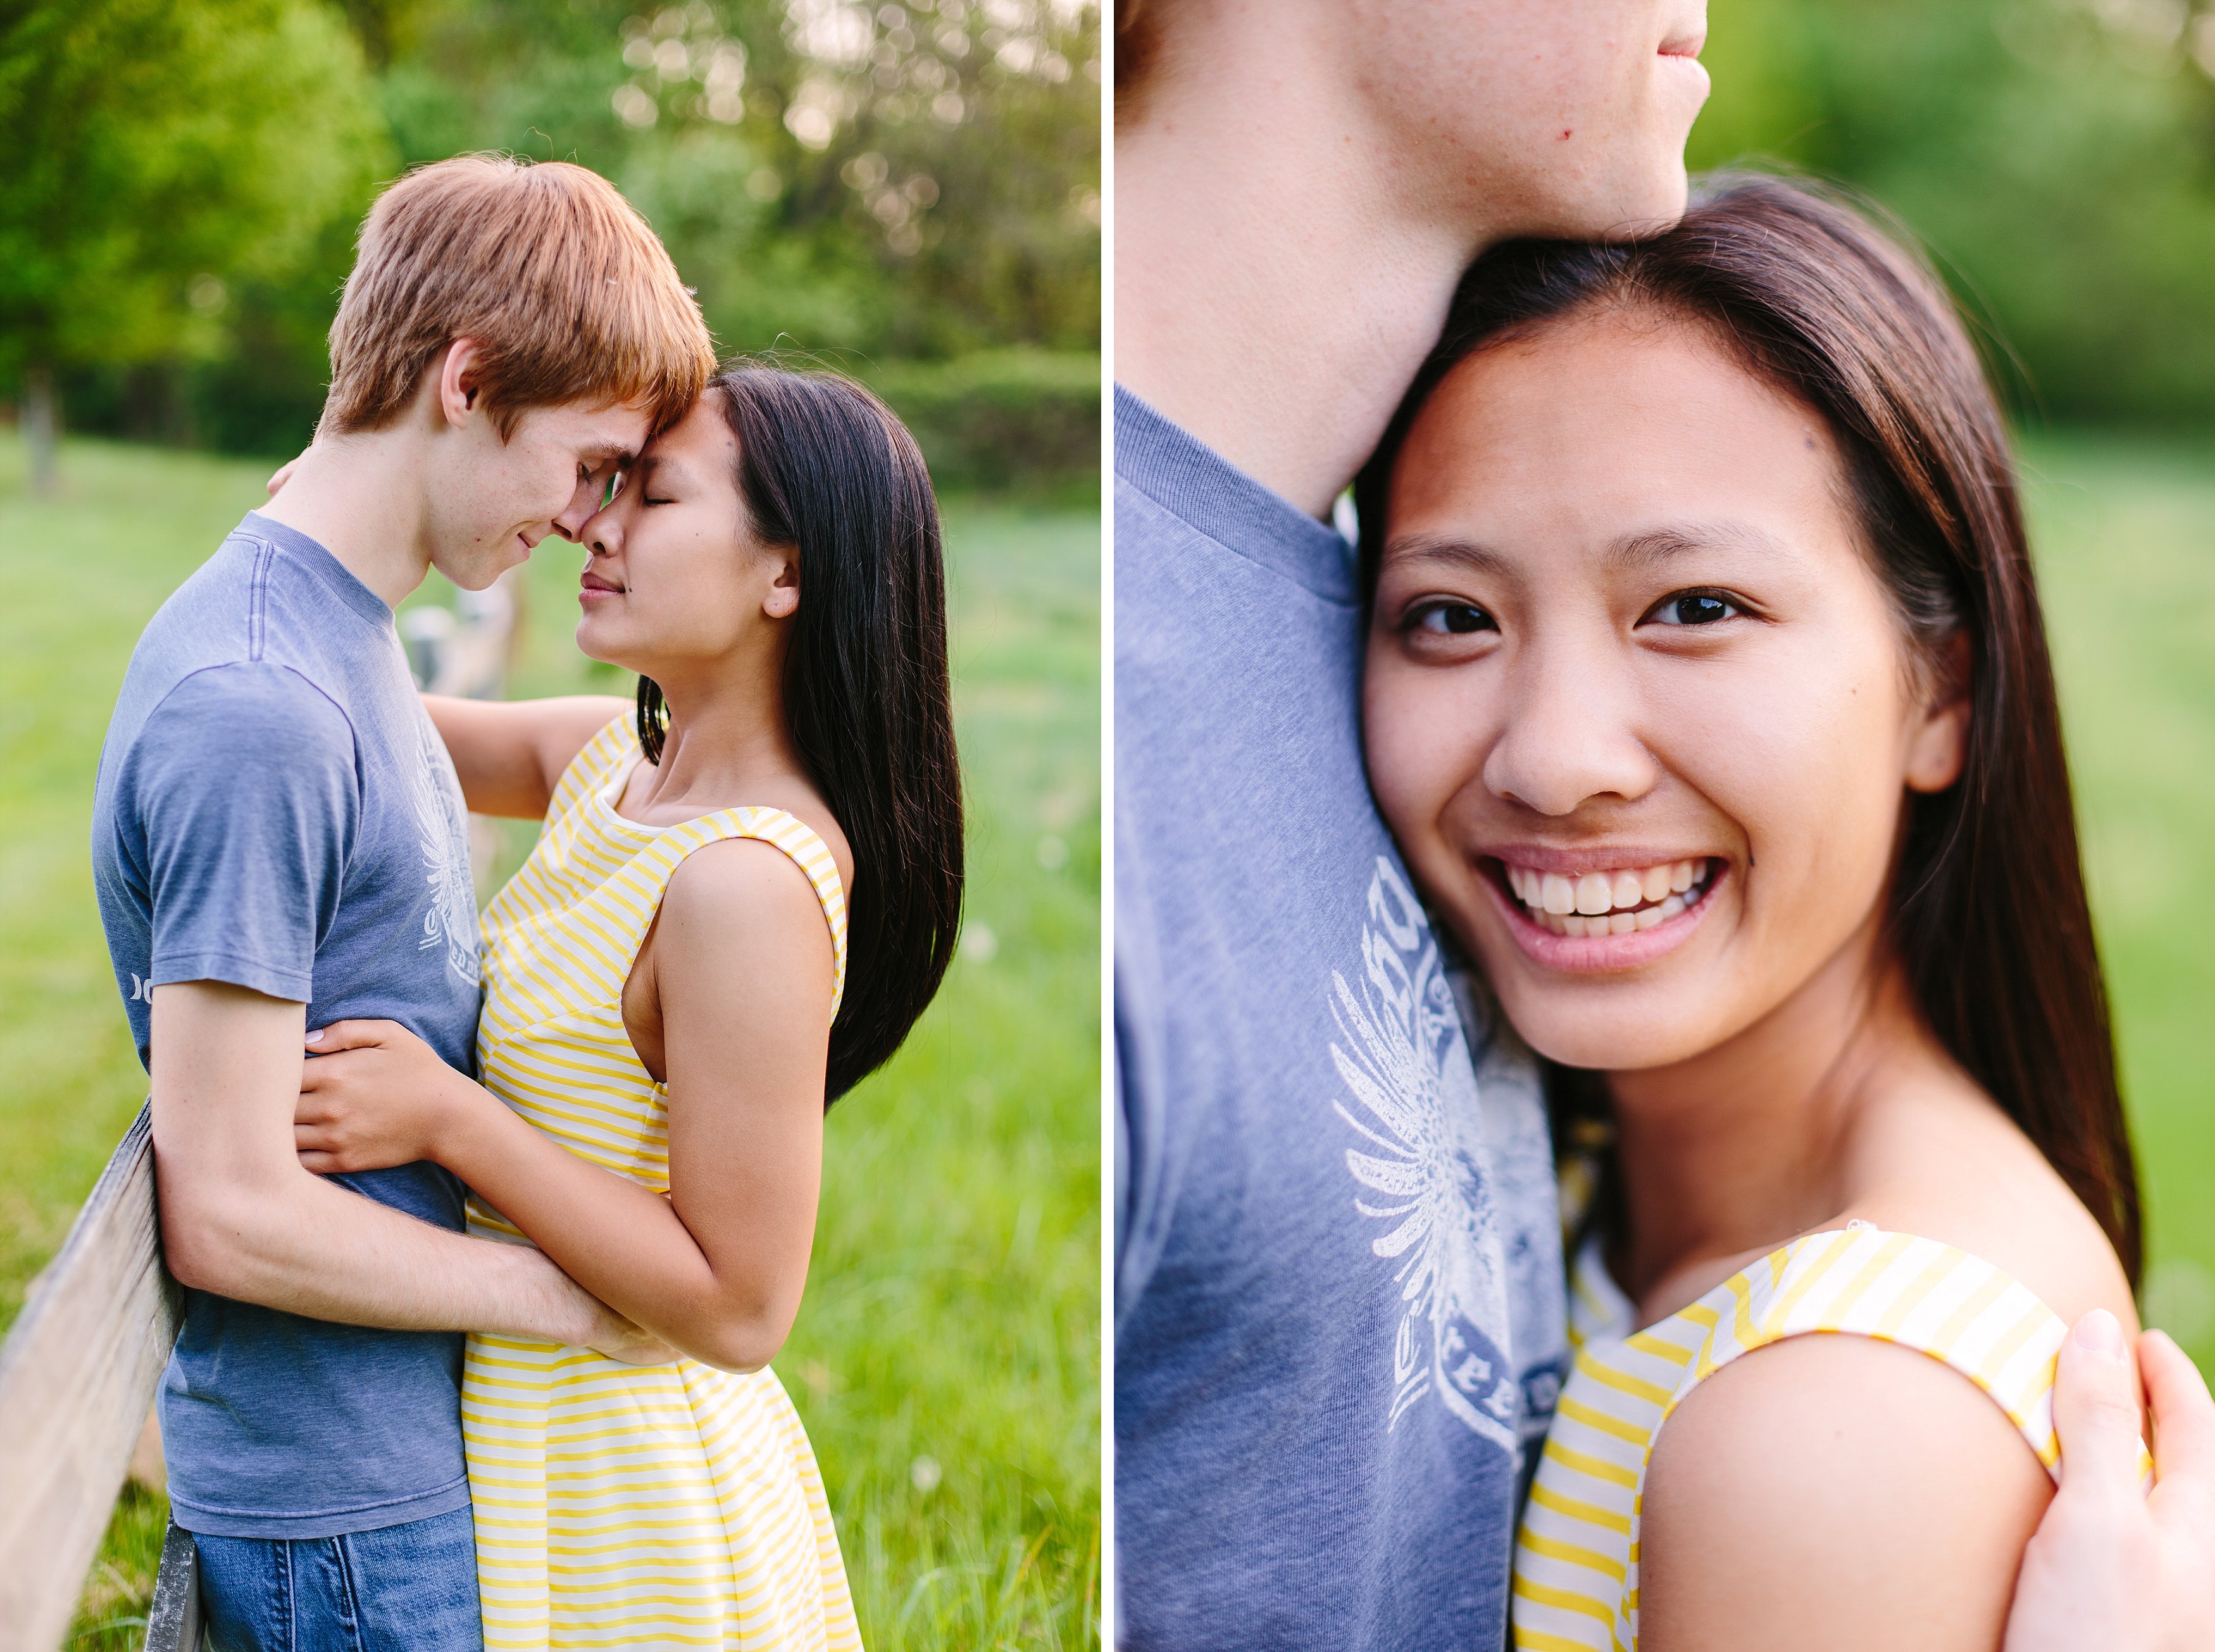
(2058,156)
(1001,421)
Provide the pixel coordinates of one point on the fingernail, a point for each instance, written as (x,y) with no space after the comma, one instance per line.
(2099,1332)
(316,1037)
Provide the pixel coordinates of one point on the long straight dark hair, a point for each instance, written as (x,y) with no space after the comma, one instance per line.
(824,467)
(1987,912)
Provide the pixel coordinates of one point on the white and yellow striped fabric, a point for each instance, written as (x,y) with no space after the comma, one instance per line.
(665,1506)
(1576,1557)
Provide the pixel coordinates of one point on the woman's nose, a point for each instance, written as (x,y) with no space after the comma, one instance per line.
(1571,735)
(602,532)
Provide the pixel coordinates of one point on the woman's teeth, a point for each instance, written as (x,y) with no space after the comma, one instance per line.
(1609,903)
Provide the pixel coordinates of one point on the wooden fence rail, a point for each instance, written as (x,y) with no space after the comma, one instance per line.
(77,1374)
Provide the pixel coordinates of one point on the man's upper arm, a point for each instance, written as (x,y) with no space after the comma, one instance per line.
(226,1073)
(1834,1491)
(243,790)
(243,793)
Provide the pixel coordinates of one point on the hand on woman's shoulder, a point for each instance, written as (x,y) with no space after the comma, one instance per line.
(1833,1491)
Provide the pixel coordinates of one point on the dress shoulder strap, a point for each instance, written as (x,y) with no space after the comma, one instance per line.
(1577,1571)
(1861,1281)
(806,849)
(593,766)
(636,887)
(567,927)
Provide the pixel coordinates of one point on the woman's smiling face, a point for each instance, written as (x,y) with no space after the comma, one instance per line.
(1637,707)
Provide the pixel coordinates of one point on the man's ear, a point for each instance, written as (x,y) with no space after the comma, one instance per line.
(783,598)
(457,381)
(1939,746)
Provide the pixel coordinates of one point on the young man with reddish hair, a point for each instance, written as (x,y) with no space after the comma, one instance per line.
(1338,1315)
(279,842)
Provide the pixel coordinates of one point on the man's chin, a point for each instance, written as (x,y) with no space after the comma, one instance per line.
(1636,214)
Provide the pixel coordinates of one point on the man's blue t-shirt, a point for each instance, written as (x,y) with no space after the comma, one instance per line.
(275,810)
(1338,1295)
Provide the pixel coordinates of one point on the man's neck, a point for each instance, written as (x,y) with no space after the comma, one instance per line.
(1275,291)
(361,498)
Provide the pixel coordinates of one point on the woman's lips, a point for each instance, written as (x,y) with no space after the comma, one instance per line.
(593,589)
(1639,912)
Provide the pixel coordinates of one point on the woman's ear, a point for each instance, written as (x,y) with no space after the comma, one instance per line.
(1940,744)
(784,598)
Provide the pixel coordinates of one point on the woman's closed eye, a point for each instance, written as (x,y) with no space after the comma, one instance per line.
(1694,608)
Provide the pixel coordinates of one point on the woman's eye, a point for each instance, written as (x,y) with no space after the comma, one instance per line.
(1453,619)
(1694,608)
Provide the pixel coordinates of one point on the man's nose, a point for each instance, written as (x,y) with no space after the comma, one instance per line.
(584,505)
(1572,731)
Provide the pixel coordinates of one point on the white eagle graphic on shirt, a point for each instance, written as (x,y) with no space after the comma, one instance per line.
(1402,1055)
(450,916)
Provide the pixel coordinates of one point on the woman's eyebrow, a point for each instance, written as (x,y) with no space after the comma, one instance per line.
(1464,554)
(1649,546)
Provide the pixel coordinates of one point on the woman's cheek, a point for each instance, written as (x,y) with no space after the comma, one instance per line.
(1393,754)
(1421,742)
(1805,763)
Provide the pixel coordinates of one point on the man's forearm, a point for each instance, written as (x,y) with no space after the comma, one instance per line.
(314,1248)
(240,1217)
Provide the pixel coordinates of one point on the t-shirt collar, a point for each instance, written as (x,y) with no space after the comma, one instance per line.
(311,556)
(1198,485)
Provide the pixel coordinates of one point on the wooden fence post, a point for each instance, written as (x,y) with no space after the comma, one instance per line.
(173,1621)
(77,1373)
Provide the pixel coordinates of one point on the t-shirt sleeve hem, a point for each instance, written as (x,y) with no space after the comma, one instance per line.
(172,968)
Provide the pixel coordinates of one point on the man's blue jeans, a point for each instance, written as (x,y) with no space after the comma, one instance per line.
(404,1588)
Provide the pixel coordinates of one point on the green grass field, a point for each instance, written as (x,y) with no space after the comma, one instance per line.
(947,1362)
(2125,533)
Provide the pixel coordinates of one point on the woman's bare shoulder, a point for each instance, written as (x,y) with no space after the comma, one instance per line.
(796,797)
(739,893)
(1835,1492)
(1951,1166)
(1839,1491)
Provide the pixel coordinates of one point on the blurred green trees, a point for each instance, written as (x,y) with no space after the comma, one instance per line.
(2057,156)
(157,152)
(889,186)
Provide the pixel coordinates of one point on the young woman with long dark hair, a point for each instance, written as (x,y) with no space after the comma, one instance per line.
(746,890)
(1708,699)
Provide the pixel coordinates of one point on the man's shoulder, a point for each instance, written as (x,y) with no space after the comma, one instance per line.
(259,696)
(231,718)
(205,621)
(1144,524)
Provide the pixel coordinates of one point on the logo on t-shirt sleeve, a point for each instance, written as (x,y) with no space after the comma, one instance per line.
(1422,1167)
(450,913)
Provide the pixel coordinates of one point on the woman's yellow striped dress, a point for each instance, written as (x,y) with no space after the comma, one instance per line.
(664,1506)
(1576,1558)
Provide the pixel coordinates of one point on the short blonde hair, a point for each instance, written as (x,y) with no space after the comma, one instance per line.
(569,294)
